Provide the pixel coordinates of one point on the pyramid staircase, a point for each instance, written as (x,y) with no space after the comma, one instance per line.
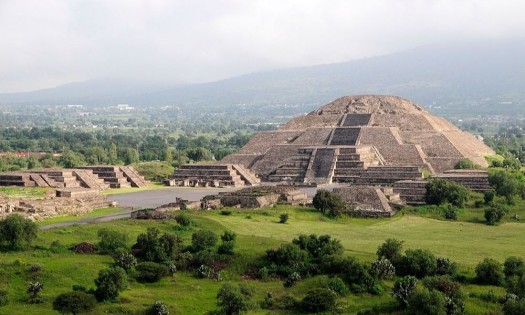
(294,168)
(133,177)
(213,175)
(112,175)
(352,162)
(90,180)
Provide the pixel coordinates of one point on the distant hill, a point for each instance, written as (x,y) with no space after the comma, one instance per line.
(489,76)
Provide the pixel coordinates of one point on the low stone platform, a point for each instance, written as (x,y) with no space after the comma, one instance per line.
(212,175)
(369,201)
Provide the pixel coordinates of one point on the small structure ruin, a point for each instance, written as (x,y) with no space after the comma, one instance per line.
(370,201)
(92,177)
(256,197)
(212,175)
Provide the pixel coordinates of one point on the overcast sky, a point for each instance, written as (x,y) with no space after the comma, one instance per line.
(52,42)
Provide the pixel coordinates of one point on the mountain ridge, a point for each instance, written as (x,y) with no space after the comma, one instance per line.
(461,74)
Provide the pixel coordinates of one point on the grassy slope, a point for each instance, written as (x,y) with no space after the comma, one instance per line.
(464,242)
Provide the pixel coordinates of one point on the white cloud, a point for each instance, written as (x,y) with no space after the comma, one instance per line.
(46,43)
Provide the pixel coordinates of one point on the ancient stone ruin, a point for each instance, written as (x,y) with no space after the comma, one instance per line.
(256,197)
(92,177)
(212,175)
(365,140)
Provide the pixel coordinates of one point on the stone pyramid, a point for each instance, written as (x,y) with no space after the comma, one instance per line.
(367,139)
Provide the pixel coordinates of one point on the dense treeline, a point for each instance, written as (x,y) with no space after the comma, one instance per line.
(109,146)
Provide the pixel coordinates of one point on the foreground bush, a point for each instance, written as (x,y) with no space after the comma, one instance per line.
(17,233)
(110,283)
(111,241)
(74,302)
(158,308)
(417,262)
(150,272)
(233,299)
(490,272)
(319,300)
(440,191)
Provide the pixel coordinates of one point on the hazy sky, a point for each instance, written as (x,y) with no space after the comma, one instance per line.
(52,42)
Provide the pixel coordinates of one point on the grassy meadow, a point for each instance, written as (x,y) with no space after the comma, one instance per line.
(465,241)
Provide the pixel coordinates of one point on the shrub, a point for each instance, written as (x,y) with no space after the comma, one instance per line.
(514,307)
(445,285)
(383,269)
(466,164)
(337,285)
(152,246)
(428,302)
(226,248)
(158,308)
(390,249)
(228,236)
(110,283)
(319,247)
(292,279)
(57,247)
(34,289)
(225,212)
(328,203)
(283,218)
(203,239)
(516,285)
(488,196)
(504,184)
(489,272)
(74,302)
(234,299)
(417,262)
(4,298)
(440,191)
(445,267)
(17,233)
(125,261)
(450,212)
(513,266)
(183,220)
(319,300)
(288,258)
(495,213)
(150,272)
(403,289)
(112,241)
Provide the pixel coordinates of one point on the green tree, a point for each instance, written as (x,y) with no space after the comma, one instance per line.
(150,272)
(203,239)
(514,266)
(505,184)
(131,156)
(403,289)
(428,302)
(328,203)
(390,249)
(152,246)
(74,302)
(112,153)
(490,272)
(494,213)
(17,233)
(417,262)
(233,300)
(110,283)
(440,191)
(319,300)
(112,241)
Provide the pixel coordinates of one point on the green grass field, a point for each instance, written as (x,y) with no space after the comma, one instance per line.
(464,242)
